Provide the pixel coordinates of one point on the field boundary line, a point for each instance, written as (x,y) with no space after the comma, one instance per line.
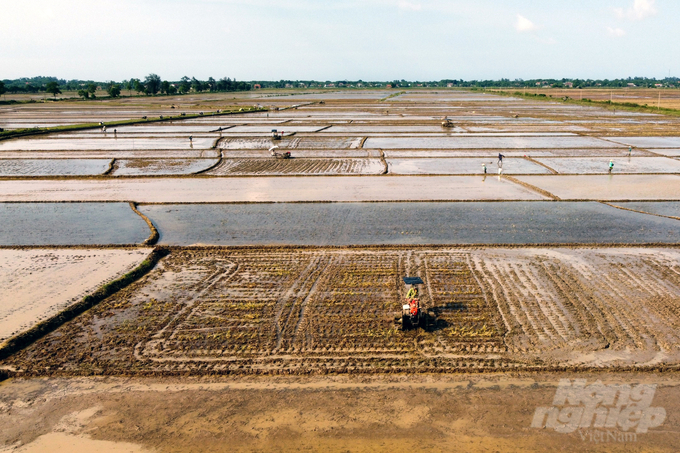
(551,170)
(154,236)
(536,189)
(640,212)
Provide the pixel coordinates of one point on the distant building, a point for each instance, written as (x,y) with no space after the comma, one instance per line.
(449,85)
(569,84)
(257,86)
(658,85)
(288,85)
(389,85)
(631,85)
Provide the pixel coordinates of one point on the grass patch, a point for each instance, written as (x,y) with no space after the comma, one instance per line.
(392,96)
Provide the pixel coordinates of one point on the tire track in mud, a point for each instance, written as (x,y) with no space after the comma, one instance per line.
(292,294)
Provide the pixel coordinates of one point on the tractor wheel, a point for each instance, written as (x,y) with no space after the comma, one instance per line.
(405,322)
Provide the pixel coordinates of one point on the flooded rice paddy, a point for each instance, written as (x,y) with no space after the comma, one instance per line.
(407,223)
(485,142)
(53,167)
(589,165)
(664,208)
(70,224)
(453,166)
(160,167)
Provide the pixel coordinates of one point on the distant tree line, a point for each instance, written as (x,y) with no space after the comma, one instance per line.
(153,85)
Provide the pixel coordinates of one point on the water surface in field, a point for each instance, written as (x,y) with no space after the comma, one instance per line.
(484,142)
(407,223)
(53,167)
(70,224)
(649,142)
(667,208)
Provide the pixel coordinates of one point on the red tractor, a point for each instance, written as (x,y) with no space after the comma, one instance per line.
(412,314)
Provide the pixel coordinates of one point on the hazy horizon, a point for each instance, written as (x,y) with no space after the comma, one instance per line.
(382,40)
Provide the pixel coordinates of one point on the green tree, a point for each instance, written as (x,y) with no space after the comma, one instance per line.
(139,87)
(184,85)
(172,89)
(165,86)
(114,90)
(152,83)
(91,89)
(197,85)
(3,90)
(84,94)
(53,88)
(130,85)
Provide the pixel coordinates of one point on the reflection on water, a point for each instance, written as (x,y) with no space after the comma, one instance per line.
(407,223)
(70,224)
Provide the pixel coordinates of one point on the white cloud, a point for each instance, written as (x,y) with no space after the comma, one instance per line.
(403,4)
(616,32)
(523,24)
(639,10)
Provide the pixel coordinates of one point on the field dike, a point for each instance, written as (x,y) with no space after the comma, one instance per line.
(532,187)
(153,238)
(25,339)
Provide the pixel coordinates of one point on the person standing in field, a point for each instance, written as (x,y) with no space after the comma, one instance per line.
(500,160)
(484,168)
(611,166)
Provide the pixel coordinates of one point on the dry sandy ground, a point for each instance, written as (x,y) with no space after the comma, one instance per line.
(269,189)
(37,284)
(456,412)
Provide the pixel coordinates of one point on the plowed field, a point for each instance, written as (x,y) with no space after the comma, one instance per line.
(271,166)
(214,311)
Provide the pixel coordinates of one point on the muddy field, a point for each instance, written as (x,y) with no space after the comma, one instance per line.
(40,283)
(286,339)
(298,166)
(301,311)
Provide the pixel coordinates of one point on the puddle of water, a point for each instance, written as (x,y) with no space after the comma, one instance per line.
(407,223)
(53,167)
(137,167)
(434,166)
(649,142)
(578,165)
(70,224)
(668,208)
(484,142)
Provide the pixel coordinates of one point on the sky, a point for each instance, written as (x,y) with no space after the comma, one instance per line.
(340,39)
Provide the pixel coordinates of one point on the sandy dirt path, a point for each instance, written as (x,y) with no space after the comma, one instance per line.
(459,412)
